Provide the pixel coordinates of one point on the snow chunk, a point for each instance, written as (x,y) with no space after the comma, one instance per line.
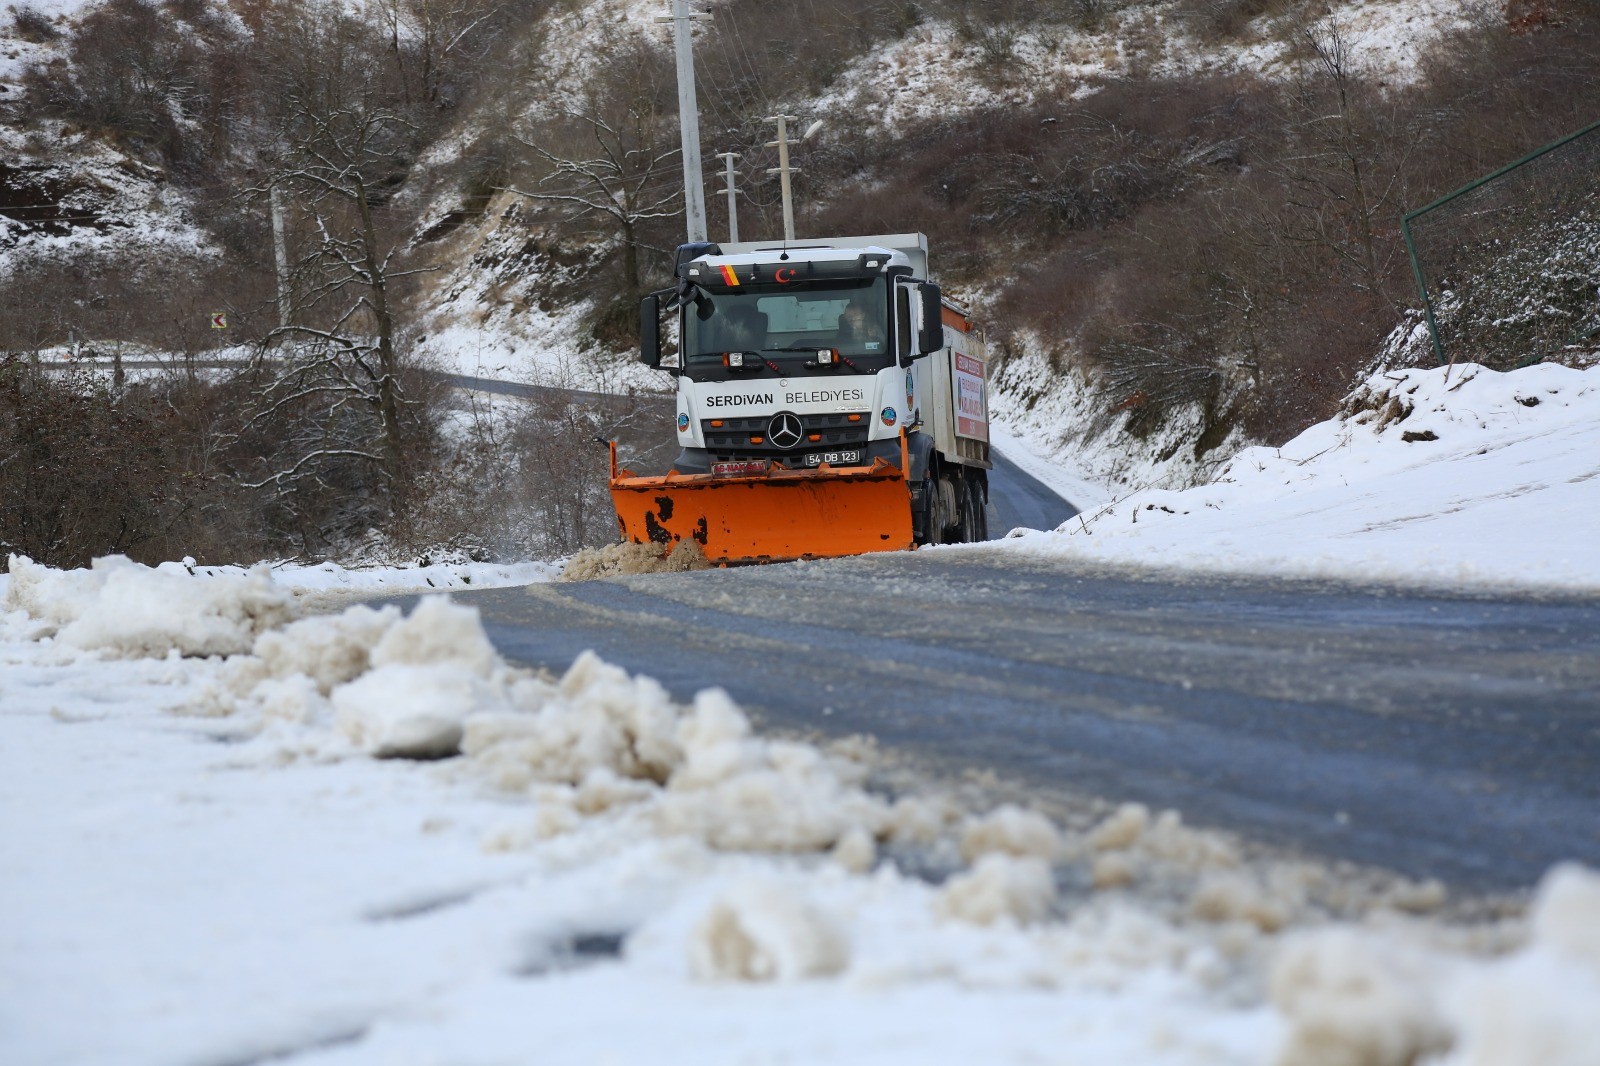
(1010,830)
(1566,914)
(1169,839)
(140,612)
(1122,829)
(596,717)
(430,671)
(295,699)
(618,559)
(918,820)
(330,650)
(405,711)
(1112,870)
(1352,999)
(737,793)
(57,597)
(855,851)
(760,930)
(1538,1006)
(1237,897)
(438,631)
(1000,887)
(639,708)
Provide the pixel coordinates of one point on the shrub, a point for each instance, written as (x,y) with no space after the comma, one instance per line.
(88,470)
(33,25)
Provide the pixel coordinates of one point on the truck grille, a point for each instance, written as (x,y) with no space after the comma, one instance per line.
(731,440)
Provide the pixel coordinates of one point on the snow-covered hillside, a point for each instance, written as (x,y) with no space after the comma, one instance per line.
(936,71)
(1450,477)
(236,860)
(64,192)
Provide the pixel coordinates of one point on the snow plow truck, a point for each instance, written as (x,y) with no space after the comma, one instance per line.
(830,402)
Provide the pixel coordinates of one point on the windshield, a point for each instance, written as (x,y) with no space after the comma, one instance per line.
(850,317)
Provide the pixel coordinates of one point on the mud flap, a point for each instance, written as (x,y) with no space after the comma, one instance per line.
(769,517)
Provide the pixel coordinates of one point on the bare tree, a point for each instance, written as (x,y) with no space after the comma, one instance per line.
(347,140)
(428,37)
(1337,193)
(611,162)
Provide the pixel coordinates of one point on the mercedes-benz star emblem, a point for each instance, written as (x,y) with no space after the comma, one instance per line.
(785,430)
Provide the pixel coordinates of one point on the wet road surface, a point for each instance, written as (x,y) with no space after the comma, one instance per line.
(1434,735)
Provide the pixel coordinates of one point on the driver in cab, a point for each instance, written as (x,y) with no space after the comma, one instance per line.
(744,329)
(859,330)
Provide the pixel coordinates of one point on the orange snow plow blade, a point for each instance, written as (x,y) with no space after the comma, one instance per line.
(772,516)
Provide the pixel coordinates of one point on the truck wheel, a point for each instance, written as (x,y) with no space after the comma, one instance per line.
(980,496)
(973,525)
(941,510)
(950,495)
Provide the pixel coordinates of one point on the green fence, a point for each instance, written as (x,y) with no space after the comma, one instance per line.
(1508,267)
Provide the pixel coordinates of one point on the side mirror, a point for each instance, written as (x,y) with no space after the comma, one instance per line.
(902,326)
(650,331)
(930,332)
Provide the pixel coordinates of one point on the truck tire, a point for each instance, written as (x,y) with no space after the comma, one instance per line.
(941,517)
(980,485)
(974,523)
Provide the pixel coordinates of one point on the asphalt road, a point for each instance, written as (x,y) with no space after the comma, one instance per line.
(1437,736)
(1019,499)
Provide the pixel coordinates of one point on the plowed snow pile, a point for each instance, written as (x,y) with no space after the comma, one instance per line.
(366,838)
(1475,477)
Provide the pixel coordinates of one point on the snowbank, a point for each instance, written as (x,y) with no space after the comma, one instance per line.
(122,608)
(307,887)
(324,578)
(1472,477)
(299,579)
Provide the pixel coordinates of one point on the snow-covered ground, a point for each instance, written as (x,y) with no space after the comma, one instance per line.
(1062,428)
(17,54)
(321,580)
(533,348)
(236,858)
(1465,478)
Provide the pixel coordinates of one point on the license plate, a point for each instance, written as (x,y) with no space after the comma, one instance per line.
(834,458)
(758,467)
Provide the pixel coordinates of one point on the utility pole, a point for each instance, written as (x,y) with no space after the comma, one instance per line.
(282,249)
(694,191)
(783,169)
(732,192)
